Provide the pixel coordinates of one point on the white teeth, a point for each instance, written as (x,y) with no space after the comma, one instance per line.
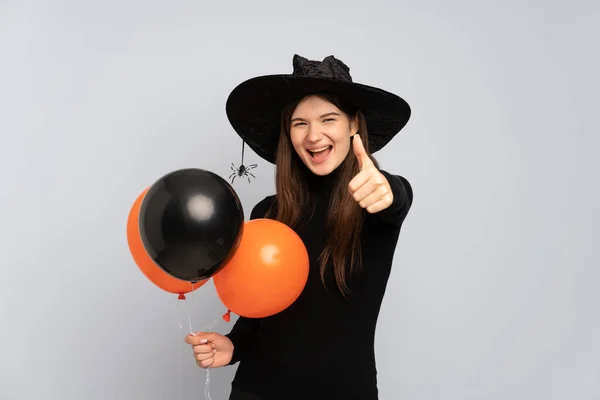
(319,149)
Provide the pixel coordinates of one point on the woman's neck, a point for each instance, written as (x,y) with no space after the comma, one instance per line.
(321,184)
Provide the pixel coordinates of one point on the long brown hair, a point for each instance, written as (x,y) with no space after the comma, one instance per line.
(345,216)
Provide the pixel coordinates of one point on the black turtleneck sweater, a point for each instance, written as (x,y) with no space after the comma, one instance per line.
(322,346)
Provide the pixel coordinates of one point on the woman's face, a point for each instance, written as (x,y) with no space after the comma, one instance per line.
(320,133)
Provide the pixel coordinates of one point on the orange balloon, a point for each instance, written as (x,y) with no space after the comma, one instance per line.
(150,269)
(267,273)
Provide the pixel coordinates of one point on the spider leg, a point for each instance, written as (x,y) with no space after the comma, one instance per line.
(250,173)
(251,166)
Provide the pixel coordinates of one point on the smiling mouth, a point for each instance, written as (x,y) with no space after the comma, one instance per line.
(321,153)
(319,150)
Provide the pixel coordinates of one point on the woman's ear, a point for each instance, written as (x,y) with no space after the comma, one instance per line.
(354,125)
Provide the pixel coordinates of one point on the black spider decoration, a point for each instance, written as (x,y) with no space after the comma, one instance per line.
(242,170)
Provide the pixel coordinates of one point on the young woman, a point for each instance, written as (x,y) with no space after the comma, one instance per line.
(319,129)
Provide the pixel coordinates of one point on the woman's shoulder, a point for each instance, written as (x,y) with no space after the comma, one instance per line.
(262,207)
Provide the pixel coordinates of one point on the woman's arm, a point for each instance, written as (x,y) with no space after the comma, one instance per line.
(402,199)
(367,184)
(243,330)
(241,336)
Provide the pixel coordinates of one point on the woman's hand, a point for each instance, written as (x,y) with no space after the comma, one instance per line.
(369,187)
(210,349)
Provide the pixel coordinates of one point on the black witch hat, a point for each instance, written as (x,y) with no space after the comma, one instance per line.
(254,107)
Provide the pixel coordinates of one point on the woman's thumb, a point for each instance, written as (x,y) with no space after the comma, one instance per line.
(209,336)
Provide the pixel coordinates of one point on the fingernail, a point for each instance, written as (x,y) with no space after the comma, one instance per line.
(203,341)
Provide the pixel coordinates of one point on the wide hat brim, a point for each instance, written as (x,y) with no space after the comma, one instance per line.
(254,109)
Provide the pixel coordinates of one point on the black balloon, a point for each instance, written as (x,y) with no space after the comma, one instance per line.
(191,223)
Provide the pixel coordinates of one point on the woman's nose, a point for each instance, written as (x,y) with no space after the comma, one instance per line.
(314,134)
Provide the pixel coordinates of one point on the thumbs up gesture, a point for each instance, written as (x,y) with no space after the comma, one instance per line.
(369,187)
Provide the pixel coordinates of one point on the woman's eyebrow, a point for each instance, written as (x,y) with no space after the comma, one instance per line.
(322,116)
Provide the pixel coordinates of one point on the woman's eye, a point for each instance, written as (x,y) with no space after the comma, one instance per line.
(329,119)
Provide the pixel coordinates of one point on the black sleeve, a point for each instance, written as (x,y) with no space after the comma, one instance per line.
(244,328)
(241,336)
(403,197)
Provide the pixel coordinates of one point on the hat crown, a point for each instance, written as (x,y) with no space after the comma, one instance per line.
(329,68)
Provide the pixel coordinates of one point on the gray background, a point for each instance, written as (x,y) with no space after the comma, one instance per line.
(494,292)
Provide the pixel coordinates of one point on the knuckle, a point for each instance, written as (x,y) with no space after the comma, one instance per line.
(203,360)
(199,349)
(202,355)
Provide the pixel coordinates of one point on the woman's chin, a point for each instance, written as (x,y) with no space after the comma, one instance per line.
(321,169)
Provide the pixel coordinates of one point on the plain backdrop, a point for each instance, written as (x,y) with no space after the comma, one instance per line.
(494,291)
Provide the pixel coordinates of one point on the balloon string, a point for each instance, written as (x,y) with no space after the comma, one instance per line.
(207,382)
(206,385)
(211,325)
(207,327)
(188,315)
